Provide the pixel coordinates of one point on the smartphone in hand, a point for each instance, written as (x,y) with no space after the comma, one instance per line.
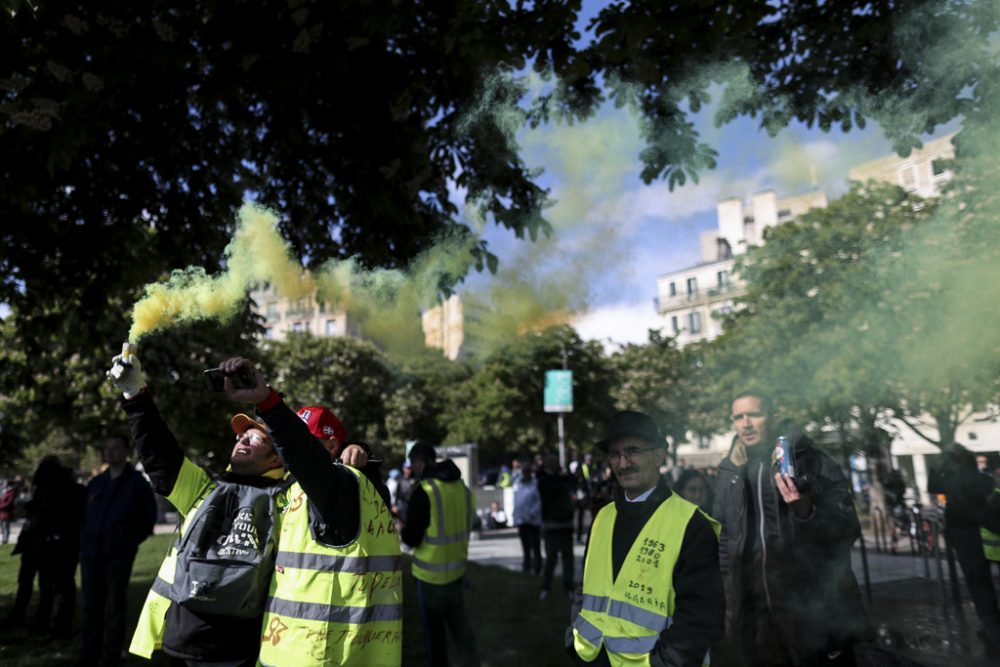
(215,379)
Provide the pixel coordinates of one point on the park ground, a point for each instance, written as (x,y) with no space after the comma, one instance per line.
(911,605)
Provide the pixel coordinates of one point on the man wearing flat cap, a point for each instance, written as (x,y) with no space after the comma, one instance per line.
(652,589)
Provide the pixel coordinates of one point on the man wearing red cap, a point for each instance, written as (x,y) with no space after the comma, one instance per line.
(189,636)
(336,594)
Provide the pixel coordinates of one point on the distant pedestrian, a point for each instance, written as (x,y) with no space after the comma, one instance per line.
(49,546)
(498,518)
(9,492)
(437,527)
(120,514)
(528,519)
(968,492)
(584,487)
(556,489)
(695,487)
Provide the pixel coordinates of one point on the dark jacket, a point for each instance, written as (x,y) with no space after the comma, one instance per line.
(418,511)
(119,515)
(187,634)
(966,489)
(558,495)
(798,571)
(699,609)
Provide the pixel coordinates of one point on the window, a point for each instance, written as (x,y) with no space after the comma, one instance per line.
(703,442)
(723,277)
(673,289)
(973,436)
(937,167)
(675,324)
(273,313)
(784,213)
(694,323)
(322,306)
(269,332)
(297,326)
(331,327)
(692,285)
(908,178)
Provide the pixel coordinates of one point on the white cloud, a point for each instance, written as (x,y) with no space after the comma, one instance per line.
(619,324)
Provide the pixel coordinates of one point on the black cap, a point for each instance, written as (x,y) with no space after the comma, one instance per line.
(423,451)
(629,423)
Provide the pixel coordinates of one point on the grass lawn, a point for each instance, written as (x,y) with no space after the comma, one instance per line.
(511,626)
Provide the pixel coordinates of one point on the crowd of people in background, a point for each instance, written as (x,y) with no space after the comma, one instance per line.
(760,553)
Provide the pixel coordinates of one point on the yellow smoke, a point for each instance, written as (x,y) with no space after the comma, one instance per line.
(257,253)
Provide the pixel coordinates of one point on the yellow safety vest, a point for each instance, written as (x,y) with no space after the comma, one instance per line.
(335,605)
(442,556)
(991,541)
(626,615)
(192,487)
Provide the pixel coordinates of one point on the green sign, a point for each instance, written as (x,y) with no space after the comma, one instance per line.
(559,391)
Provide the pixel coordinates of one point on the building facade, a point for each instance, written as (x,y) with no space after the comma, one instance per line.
(444,327)
(306,314)
(692,301)
(688,298)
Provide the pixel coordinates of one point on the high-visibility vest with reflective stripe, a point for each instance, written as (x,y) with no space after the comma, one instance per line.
(626,615)
(335,605)
(991,541)
(441,557)
(190,490)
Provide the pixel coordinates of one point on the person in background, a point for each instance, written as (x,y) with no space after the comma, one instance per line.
(498,518)
(403,491)
(528,519)
(49,545)
(556,489)
(968,491)
(583,474)
(695,487)
(119,515)
(437,526)
(9,491)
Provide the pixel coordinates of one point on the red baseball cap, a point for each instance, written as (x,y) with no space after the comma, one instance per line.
(323,423)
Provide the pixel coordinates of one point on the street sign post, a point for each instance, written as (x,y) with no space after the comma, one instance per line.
(558,398)
(559,391)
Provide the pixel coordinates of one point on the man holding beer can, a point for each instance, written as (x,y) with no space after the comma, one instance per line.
(788,524)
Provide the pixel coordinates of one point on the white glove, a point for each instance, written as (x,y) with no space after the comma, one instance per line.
(126,372)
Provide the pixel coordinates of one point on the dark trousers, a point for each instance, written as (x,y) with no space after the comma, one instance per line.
(531,547)
(25,587)
(581,518)
(968,546)
(104,583)
(444,605)
(57,587)
(558,542)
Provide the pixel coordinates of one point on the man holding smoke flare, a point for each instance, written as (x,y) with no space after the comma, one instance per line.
(180,622)
(335,594)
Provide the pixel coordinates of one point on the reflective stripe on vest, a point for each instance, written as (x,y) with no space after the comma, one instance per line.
(627,614)
(313,611)
(335,605)
(190,490)
(442,556)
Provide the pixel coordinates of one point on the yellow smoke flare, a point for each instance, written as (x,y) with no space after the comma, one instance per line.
(257,253)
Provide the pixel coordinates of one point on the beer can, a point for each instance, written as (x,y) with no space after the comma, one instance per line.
(783,456)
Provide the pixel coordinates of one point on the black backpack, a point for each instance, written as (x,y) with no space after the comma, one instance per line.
(226,557)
